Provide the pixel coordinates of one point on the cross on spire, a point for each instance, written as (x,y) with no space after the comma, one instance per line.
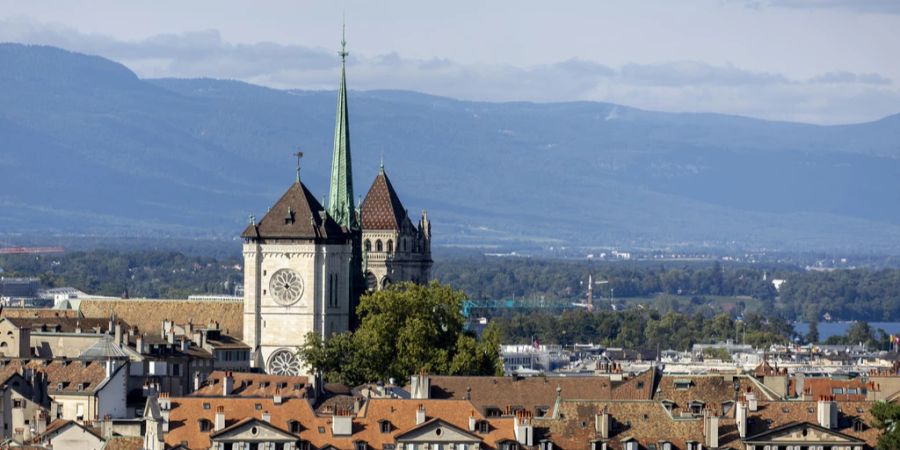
(343,53)
(299,155)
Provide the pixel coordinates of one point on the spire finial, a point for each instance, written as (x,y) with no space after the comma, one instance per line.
(381,164)
(343,53)
(299,155)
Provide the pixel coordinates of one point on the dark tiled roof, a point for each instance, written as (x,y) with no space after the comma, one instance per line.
(296,215)
(148,315)
(382,210)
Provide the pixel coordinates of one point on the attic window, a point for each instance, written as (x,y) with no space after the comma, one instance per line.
(682,384)
(493,411)
(294,426)
(206,406)
(859,426)
(289,218)
(640,384)
(483,426)
(205,425)
(360,445)
(258,406)
(385,426)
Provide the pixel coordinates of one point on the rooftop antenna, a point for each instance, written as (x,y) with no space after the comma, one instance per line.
(299,155)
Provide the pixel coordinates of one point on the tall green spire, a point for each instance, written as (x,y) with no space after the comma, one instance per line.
(340,195)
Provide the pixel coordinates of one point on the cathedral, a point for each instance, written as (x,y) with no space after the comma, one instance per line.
(306,264)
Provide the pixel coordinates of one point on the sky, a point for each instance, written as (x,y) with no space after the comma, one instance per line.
(814,61)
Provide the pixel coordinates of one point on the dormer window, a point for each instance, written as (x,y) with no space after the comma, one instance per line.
(360,445)
(384,426)
(493,411)
(696,407)
(205,425)
(546,445)
(295,427)
(682,384)
(483,426)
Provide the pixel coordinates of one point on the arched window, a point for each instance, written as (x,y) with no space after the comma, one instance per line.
(368,245)
(390,246)
(378,247)
(371,281)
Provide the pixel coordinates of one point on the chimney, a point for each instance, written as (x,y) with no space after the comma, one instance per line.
(751,402)
(601,424)
(276,399)
(227,384)
(197,381)
(170,336)
(827,412)
(189,330)
(341,425)
(110,368)
(185,344)
(523,428)
(420,386)
(220,418)
(106,428)
(472,422)
(266,417)
(165,407)
(118,335)
(712,431)
(140,344)
(420,414)
(740,416)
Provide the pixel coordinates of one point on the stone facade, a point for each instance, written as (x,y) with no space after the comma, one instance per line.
(317,299)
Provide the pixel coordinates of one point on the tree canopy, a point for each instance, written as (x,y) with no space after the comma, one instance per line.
(404,329)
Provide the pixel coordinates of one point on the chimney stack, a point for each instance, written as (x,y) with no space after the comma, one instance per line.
(472,422)
(118,333)
(740,416)
(266,417)
(827,412)
(227,384)
(523,429)
(420,414)
(602,424)
(420,386)
(712,430)
(220,418)
(197,381)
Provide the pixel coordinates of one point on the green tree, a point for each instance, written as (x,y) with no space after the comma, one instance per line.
(861,332)
(812,336)
(886,416)
(404,329)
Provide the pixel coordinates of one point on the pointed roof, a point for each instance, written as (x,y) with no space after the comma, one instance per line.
(296,215)
(340,193)
(382,210)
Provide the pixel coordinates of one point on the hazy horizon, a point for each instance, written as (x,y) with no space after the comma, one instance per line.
(821,61)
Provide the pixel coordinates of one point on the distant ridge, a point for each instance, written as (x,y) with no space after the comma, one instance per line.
(88,147)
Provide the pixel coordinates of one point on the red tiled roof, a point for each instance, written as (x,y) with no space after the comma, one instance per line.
(381,209)
(296,215)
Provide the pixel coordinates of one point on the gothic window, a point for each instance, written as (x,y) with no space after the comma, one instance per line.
(284,362)
(371,281)
(378,246)
(390,246)
(368,245)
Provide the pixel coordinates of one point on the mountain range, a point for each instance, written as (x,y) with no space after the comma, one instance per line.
(88,147)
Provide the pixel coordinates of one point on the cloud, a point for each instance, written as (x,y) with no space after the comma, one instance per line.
(849,77)
(832,97)
(866,6)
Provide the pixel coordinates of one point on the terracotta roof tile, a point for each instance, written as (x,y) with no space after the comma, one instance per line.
(381,209)
(254,385)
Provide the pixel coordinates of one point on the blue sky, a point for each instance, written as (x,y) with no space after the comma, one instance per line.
(817,61)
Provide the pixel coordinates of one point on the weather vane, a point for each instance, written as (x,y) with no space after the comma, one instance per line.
(299,155)
(343,53)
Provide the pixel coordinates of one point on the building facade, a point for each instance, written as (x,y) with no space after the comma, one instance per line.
(305,265)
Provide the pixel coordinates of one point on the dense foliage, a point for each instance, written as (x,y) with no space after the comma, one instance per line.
(525,277)
(150,274)
(641,329)
(852,294)
(404,329)
(887,417)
